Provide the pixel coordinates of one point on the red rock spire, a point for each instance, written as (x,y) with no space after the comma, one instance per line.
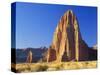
(67,42)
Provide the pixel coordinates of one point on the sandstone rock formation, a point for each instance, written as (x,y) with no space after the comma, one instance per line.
(29,57)
(67,41)
(94,47)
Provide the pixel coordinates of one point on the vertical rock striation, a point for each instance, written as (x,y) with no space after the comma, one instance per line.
(67,44)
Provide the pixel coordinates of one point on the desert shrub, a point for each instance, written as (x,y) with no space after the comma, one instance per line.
(59,67)
(42,68)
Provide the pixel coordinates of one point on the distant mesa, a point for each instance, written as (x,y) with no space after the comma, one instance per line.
(67,41)
(22,54)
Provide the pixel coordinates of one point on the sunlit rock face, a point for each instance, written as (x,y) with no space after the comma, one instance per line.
(67,44)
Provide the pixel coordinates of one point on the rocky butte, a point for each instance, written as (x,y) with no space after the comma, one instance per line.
(67,44)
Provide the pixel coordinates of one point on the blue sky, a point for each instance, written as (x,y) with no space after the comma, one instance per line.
(36,23)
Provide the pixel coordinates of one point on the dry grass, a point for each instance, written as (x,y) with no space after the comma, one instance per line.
(53,66)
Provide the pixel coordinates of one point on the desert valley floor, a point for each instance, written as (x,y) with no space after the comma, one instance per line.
(54,66)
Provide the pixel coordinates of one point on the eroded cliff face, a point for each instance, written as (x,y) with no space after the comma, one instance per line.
(67,44)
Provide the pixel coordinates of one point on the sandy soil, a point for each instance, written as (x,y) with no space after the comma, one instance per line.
(53,66)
